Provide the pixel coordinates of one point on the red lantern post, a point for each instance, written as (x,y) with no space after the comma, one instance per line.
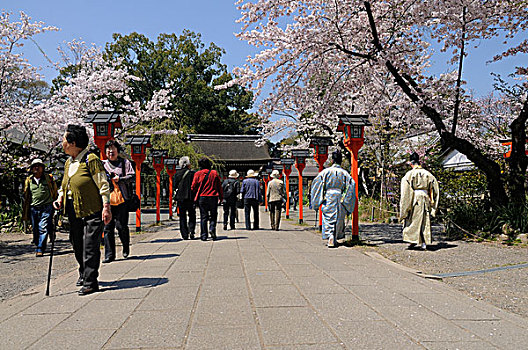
(158,157)
(300,163)
(171,166)
(286,165)
(320,145)
(104,124)
(352,127)
(507,146)
(138,145)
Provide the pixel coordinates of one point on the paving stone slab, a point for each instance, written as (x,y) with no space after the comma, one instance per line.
(174,299)
(73,339)
(235,312)
(476,345)
(351,277)
(220,292)
(277,295)
(223,337)
(302,270)
(424,325)
(462,308)
(64,303)
(265,277)
(504,335)
(325,346)
(373,335)
(293,325)
(20,331)
(155,329)
(342,308)
(323,285)
(374,295)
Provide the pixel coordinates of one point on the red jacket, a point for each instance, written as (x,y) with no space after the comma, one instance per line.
(211,188)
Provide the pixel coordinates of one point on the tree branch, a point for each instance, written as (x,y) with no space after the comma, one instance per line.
(351,53)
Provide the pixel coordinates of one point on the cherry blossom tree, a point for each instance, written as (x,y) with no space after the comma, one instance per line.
(323,57)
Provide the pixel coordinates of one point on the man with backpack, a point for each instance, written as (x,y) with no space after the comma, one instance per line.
(183,196)
(231,188)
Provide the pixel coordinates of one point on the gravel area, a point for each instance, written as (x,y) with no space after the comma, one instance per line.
(506,289)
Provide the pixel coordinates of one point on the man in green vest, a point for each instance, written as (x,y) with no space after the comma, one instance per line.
(40,191)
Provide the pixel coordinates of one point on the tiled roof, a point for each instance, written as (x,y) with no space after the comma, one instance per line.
(230,148)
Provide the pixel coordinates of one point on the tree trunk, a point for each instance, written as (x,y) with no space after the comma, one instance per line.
(518,161)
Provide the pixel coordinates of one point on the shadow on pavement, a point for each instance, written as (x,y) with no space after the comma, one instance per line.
(152,256)
(220,238)
(143,282)
(166,240)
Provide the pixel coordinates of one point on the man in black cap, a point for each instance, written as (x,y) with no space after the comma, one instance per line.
(418,202)
(335,190)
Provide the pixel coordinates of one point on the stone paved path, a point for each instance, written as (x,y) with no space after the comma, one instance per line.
(254,290)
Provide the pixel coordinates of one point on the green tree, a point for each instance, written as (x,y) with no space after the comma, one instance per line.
(191,70)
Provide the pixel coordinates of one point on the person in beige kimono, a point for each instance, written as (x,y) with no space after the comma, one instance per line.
(418,202)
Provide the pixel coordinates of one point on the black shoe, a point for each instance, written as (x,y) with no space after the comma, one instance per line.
(192,236)
(126,252)
(185,238)
(225,227)
(79,282)
(213,236)
(88,290)
(203,239)
(109,260)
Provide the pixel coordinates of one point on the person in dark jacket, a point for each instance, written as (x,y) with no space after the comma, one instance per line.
(252,197)
(183,196)
(231,188)
(208,192)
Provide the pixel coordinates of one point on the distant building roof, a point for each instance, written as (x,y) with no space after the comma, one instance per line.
(231,148)
(457,161)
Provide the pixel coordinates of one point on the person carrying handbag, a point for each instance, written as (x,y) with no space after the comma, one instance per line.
(120,174)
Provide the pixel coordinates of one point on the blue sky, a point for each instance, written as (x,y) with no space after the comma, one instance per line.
(94,21)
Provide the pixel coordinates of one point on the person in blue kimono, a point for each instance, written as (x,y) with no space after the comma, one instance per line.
(334,189)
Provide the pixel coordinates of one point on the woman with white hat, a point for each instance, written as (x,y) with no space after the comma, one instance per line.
(251,193)
(275,194)
(231,188)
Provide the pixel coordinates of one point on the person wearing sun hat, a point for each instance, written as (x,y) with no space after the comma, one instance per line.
(40,190)
(251,194)
(231,188)
(275,194)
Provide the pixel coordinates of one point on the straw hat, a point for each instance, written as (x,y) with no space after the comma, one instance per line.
(251,173)
(233,174)
(37,161)
(275,174)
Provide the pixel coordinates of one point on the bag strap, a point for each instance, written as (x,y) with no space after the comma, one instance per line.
(184,175)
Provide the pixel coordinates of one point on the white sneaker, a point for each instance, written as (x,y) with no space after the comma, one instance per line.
(331,242)
(424,247)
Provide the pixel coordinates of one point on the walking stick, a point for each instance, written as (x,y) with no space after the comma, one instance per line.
(53,236)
